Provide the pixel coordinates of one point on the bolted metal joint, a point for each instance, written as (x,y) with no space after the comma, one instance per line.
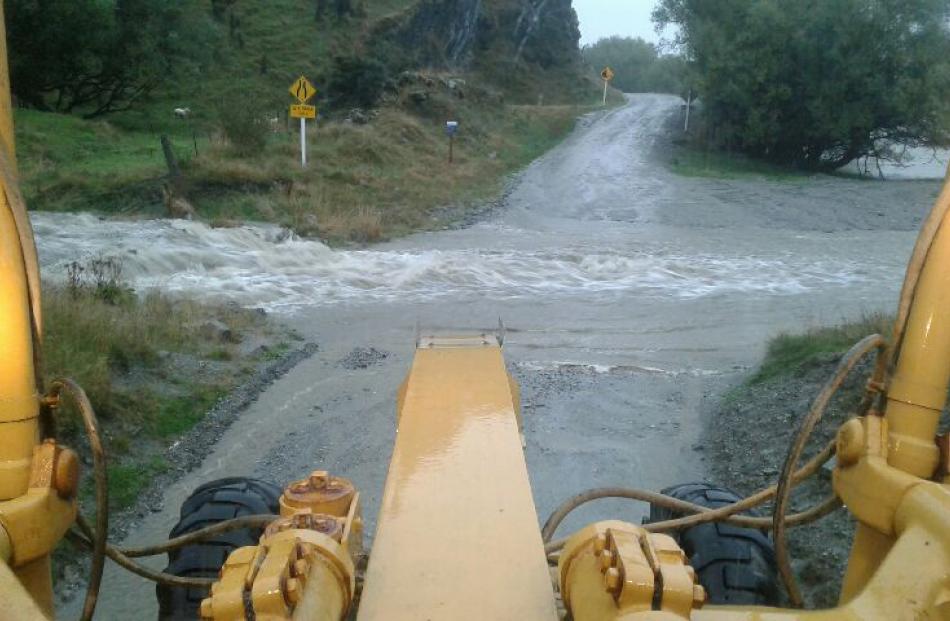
(328,525)
(320,493)
(304,563)
(637,572)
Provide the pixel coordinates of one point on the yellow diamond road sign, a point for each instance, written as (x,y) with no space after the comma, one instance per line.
(303,111)
(607,74)
(302,89)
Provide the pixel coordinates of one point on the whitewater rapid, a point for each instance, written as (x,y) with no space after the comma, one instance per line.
(265,266)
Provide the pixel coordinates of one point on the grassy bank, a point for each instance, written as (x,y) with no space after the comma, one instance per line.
(364,182)
(152,367)
(792,353)
(693,161)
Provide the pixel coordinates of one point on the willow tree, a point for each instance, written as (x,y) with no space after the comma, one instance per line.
(97,56)
(818,83)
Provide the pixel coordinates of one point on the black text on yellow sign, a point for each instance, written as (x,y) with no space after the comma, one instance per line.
(303,111)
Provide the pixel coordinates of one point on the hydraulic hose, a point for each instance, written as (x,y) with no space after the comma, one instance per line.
(797,446)
(699,515)
(788,478)
(88,414)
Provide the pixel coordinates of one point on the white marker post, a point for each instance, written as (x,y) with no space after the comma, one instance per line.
(303,142)
(689,102)
(607,74)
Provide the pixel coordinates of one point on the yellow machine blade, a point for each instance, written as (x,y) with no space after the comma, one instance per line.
(458,532)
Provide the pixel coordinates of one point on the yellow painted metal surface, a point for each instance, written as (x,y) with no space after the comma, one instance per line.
(19,402)
(917,393)
(8,168)
(302,89)
(15,601)
(868,550)
(35,578)
(33,513)
(457,534)
(911,582)
(38,519)
(18,396)
(6,118)
(296,573)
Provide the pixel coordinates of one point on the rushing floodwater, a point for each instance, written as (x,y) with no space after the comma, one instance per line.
(265,266)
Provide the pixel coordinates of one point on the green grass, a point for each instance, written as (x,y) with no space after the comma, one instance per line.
(128,481)
(122,353)
(690,161)
(364,183)
(176,415)
(275,351)
(138,361)
(789,353)
(286,34)
(69,163)
(149,367)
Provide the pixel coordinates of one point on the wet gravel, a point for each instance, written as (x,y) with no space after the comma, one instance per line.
(363,358)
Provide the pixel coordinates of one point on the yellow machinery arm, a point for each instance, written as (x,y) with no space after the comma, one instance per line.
(38,481)
(458,531)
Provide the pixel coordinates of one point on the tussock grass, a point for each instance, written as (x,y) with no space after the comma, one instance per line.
(370,182)
(790,353)
(90,339)
(139,360)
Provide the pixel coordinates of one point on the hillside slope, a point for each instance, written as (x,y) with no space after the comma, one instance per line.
(389,73)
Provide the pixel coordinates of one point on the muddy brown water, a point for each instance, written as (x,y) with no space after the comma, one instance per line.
(632,298)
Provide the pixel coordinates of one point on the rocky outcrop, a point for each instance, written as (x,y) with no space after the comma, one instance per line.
(452,34)
(545,32)
(439,33)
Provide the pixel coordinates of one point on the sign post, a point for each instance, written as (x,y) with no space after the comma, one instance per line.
(607,74)
(303,90)
(689,103)
(451,128)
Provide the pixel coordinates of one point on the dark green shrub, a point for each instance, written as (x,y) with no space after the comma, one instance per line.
(245,127)
(356,81)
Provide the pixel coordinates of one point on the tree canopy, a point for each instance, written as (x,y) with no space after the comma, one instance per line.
(96,56)
(638,66)
(817,83)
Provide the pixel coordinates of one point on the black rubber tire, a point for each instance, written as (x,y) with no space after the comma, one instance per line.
(735,565)
(209,504)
